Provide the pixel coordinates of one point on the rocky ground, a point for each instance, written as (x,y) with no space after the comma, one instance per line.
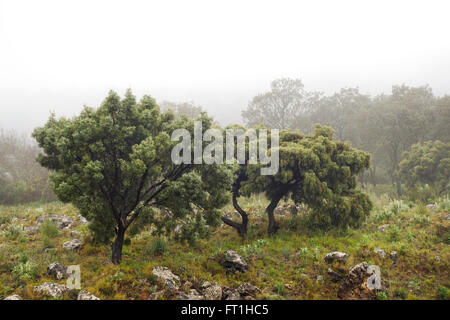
(401,252)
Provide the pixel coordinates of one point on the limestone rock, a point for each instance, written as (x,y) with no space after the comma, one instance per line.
(167,278)
(74,244)
(248,289)
(192,295)
(13,297)
(58,271)
(233,261)
(361,282)
(380,252)
(84,295)
(213,292)
(50,289)
(63,222)
(336,256)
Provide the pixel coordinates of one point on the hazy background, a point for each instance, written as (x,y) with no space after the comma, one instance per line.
(60,55)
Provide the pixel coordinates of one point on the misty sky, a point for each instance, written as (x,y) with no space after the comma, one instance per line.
(60,55)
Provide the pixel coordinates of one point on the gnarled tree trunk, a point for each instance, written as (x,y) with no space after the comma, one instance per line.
(242,227)
(117,245)
(273,224)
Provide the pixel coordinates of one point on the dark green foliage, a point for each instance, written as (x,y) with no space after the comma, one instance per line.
(114,163)
(319,172)
(427,164)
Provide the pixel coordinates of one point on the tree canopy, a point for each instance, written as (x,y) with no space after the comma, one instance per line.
(114,163)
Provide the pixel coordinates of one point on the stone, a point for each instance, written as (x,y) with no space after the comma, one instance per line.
(380,252)
(31,229)
(156,295)
(63,222)
(231,294)
(393,255)
(336,256)
(75,234)
(167,278)
(335,277)
(187,286)
(82,220)
(84,295)
(74,244)
(382,228)
(361,283)
(192,295)
(13,297)
(248,289)
(281,211)
(50,289)
(233,261)
(213,292)
(58,271)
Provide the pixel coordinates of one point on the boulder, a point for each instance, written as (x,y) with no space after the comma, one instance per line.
(213,292)
(248,289)
(84,295)
(233,261)
(340,257)
(63,222)
(13,297)
(74,244)
(52,290)
(58,271)
(380,252)
(167,278)
(361,283)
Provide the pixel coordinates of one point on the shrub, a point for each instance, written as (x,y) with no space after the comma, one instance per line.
(381,295)
(443,293)
(49,229)
(159,246)
(13,232)
(24,272)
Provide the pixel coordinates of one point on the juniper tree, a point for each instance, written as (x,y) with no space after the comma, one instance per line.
(317,171)
(114,164)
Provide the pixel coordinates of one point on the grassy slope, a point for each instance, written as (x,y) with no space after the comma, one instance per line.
(287,266)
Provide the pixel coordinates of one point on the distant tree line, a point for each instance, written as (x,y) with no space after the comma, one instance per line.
(22,179)
(385,125)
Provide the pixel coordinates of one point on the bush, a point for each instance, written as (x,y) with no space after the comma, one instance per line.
(49,229)
(159,246)
(14,232)
(24,272)
(443,293)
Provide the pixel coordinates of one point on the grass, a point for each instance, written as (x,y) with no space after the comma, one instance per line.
(288,265)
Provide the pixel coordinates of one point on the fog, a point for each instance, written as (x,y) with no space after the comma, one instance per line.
(58,56)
